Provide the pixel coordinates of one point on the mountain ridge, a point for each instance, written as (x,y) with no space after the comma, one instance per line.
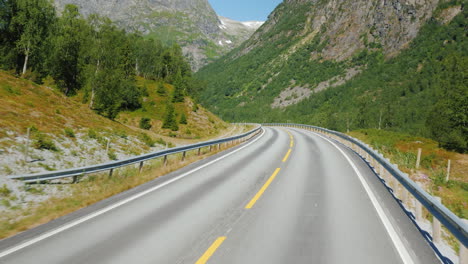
(193,24)
(309,60)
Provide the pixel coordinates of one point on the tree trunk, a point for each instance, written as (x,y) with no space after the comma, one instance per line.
(25,66)
(91,103)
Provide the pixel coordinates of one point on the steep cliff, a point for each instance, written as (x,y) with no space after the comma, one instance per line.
(192,23)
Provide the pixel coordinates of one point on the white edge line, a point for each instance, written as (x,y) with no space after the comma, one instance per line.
(111,207)
(400,247)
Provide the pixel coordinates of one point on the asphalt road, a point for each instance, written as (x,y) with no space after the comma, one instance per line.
(290,196)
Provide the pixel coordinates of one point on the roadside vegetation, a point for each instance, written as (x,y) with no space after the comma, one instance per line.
(402,149)
(89,56)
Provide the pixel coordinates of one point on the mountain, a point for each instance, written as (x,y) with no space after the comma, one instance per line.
(192,23)
(342,64)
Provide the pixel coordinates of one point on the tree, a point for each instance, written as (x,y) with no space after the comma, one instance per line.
(161,89)
(183,119)
(448,120)
(179,88)
(66,60)
(169,120)
(145,123)
(33,20)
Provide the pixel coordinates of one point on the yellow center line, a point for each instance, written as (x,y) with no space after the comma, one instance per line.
(262,190)
(287,155)
(211,250)
(291,144)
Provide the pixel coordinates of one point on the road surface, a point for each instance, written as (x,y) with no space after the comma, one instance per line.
(287,196)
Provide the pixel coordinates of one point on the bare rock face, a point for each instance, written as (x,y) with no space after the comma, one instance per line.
(345,26)
(192,23)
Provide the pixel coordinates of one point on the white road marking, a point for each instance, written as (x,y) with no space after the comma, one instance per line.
(400,247)
(111,207)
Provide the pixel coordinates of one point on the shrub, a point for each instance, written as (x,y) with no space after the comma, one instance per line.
(147,140)
(112,155)
(69,132)
(4,191)
(122,134)
(183,119)
(145,123)
(42,142)
(92,134)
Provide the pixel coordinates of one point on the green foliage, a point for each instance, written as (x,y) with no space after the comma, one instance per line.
(111,155)
(179,88)
(195,107)
(93,134)
(4,191)
(145,123)
(421,91)
(41,141)
(30,24)
(91,54)
(69,132)
(170,121)
(183,119)
(161,89)
(147,140)
(65,62)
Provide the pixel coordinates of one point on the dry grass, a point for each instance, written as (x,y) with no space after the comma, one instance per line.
(92,189)
(25,104)
(402,150)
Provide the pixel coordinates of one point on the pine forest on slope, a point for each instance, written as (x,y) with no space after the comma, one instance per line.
(343,65)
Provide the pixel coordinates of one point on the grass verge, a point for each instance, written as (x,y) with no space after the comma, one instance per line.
(95,188)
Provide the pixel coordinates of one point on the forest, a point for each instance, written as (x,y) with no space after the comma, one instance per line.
(89,55)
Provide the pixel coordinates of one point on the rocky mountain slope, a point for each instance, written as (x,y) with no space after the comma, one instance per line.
(348,64)
(192,23)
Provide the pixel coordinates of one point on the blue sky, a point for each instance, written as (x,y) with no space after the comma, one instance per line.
(245,10)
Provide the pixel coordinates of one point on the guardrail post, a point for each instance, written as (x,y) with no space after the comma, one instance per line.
(211,147)
(165,160)
(418,210)
(463,255)
(111,172)
(405,196)
(199,151)
(381,172)
(418,205)
(183,156)
(141,167)
(75,179)
(436,237)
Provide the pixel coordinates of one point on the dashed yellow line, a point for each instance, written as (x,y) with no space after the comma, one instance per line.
(210,251)
(287,155)
(262,190)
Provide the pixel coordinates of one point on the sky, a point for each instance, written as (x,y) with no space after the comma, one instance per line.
(244,10)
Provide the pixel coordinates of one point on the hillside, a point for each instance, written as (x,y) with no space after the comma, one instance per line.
(194,25)
(65,133)
(349,65)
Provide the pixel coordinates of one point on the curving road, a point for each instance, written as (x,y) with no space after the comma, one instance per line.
(288,196)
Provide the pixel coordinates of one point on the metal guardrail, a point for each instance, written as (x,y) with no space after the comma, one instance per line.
(38,177)
(452,222)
